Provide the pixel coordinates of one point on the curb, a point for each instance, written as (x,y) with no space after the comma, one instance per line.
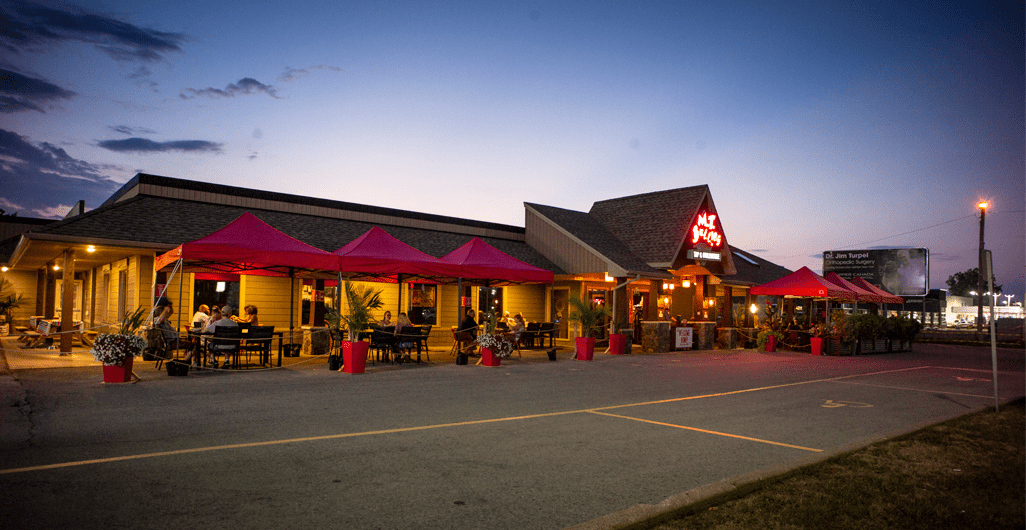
(645,516)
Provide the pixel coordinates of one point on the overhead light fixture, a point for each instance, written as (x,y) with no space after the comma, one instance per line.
(56,267)
(220,287)
(4,269)
(91,248)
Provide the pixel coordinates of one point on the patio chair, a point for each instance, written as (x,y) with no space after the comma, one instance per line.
(383,343)
(258,340)
(547,329)
(226,341)
(528,335)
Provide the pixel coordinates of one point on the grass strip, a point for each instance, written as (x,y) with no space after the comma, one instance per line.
(969,472)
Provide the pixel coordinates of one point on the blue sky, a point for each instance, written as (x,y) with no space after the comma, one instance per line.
(817,125)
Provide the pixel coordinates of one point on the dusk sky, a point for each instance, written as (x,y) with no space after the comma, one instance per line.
(817,125)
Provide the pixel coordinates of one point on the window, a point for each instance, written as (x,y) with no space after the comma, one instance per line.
(489,300)
(423,304)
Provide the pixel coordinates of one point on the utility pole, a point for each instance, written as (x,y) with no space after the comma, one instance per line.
(979,287)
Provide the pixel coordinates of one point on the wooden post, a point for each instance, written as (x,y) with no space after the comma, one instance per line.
(67,301)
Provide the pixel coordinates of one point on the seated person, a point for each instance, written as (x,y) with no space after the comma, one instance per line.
(403,326)
(467,331)
(518,324)
(386,321)
(199,319)
(225,321)
(250,317)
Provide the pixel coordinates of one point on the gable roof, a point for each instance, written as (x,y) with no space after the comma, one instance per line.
(588,232)
(753,270)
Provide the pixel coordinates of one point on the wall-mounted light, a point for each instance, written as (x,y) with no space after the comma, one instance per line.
(610,278)
(712,302)
(754,309)
(672,285)
(220,287)
(686,283)
(666,286)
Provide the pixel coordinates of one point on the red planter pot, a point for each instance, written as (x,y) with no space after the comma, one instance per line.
(771,343)
(490,359)
(617,343)
(817,345)
(354,356)
(585,348)
(118,373)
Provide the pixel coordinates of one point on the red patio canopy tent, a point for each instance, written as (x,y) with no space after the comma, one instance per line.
(248,245)
(803,283)
(477,260)
(862,294)
(886,297)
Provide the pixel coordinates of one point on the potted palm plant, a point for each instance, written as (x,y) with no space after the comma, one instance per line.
(117,351)
(360,301)
(588,315)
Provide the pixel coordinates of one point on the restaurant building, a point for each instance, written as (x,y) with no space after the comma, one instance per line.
(653,256)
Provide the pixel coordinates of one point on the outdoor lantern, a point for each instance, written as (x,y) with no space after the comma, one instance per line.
(686,283)
(220,287)
(754,309)
(56,267)
(672,285)
(665,286)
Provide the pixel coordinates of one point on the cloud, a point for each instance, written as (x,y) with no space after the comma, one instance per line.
(19,92)
(291,74)
(30,25)
(40,177)
(130,131)
(245,86)
(143,145)
(52,212)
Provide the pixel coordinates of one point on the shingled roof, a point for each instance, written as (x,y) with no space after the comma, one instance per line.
(163,222)
(653,224)
(753,270)
(587,230)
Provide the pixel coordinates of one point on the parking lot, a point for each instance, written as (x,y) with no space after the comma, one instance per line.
(524,445)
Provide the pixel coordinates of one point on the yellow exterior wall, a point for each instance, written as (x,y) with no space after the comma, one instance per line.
(271,296)
(24,284)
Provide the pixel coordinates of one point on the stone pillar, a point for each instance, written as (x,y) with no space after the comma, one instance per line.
(704,336)
(655,337)
(67,295)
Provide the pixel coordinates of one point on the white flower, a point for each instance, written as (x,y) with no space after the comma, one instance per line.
(112,348)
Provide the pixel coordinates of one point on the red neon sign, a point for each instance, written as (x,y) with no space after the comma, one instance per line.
(705,230)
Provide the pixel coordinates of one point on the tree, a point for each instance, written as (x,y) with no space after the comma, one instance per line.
(960,283)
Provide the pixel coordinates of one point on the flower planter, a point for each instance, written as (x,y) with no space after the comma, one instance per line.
(490,359)
(118,373)
(617,344)
(585,348)
(354,356)
(817,345)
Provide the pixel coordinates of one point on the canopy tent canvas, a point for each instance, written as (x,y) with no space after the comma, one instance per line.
(862,294)
(378,256)
(886,297)
(477,260)
(248,245)
(803,283)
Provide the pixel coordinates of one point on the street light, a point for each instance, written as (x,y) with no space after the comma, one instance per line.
(982,205)
(1009,299)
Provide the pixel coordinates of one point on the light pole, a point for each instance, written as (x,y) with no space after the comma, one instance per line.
(982,205)
(1009,297)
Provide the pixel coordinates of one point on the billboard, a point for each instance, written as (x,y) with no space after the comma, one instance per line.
(900,271)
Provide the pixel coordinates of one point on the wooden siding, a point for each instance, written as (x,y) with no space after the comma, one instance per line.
(271,296)
(24,284)
(566,252)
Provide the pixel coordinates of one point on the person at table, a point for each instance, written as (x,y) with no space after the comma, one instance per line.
(199,319)
(468,326)
(404,327)
(225,321)
(250,316)
(386,321)
(518,325)
(162,321)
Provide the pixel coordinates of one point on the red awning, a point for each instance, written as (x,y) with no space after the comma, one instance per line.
(888,298)
(478,260)
(863,294)
(378,256)
(803,283)
(248,245)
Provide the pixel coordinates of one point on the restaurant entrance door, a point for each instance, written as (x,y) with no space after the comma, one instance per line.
(560,299)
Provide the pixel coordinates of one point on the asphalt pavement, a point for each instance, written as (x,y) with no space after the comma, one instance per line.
(529,444)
